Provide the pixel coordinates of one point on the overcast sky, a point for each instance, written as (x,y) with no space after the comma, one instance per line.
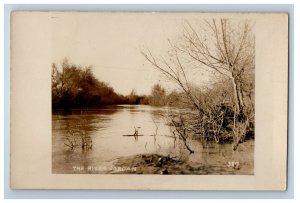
(111,43)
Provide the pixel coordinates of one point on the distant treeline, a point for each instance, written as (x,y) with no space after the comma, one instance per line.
(76,87)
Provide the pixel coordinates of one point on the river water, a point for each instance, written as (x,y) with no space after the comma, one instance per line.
(106,128)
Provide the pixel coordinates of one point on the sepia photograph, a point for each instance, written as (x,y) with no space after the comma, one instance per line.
(149,93)
(148,100)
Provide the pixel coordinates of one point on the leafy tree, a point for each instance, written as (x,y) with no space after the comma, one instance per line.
(158,96)
(77,87)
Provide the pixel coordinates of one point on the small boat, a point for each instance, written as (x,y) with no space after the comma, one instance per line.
(133,135)
(136,133)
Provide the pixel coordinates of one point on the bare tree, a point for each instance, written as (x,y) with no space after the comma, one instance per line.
(225,48)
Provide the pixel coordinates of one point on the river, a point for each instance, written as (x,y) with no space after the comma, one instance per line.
(106,128)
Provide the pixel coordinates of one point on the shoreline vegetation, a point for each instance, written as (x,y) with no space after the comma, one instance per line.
(76,87)
(221,112)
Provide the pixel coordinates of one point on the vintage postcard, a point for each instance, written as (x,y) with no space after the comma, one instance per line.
(173,101)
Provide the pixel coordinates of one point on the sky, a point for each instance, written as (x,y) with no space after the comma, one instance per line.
(111,43)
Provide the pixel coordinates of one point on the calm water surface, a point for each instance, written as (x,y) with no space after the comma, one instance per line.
(106,128)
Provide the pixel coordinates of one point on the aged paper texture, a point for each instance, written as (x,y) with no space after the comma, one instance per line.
(136,101)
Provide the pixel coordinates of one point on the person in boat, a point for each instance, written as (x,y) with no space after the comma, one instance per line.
(136,131)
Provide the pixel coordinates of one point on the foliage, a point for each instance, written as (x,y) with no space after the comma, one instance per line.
(74,86)
(77,87)
(158,96)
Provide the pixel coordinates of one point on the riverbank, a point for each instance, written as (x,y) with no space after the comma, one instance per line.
(242,164)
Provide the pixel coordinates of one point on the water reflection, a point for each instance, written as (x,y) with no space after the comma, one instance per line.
(106,128)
